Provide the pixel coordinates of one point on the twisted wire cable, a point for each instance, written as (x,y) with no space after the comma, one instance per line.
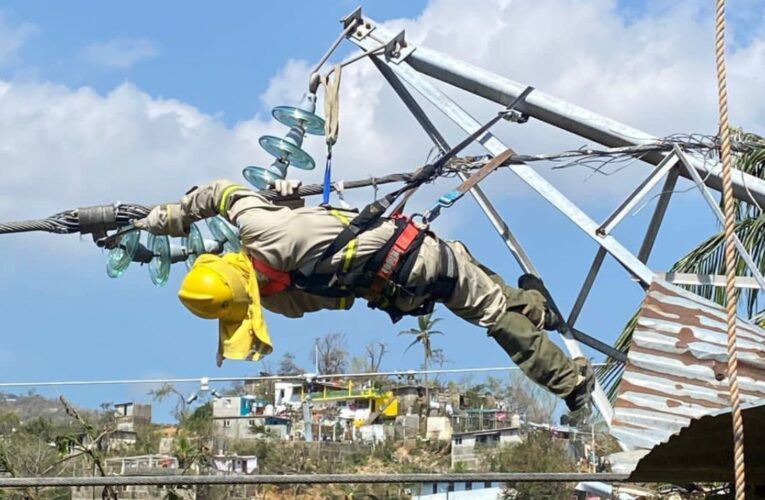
(730,255)
(595,159)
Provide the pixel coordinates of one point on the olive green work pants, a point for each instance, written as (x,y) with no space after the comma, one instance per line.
(482,297)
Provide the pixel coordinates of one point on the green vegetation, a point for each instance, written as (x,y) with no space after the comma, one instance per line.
(708,256)
(422,335)
(77,442)
(539,452)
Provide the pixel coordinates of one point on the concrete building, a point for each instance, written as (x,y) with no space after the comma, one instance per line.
(438,428)
(458,491)
(130,415)
(234,464)
(466,446)
(288,395)
(246,417)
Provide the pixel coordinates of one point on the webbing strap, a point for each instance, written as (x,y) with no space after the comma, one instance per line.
(401,245)
(359,224)
(350,249)
(278,281)
(327,187)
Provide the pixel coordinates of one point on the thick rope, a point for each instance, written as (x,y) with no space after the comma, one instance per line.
(730,256)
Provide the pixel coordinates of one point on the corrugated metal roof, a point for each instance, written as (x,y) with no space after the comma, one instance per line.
(704,450)
(676,370)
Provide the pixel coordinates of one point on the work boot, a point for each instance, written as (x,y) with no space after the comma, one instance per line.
(535,354)
(530,282)
(585,384)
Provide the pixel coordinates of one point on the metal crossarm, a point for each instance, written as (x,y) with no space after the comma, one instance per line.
(743,252)
(658,216)
(463,119)
(638,194)
(587,286)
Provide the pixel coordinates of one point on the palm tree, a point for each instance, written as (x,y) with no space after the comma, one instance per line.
(709,256)
(422,335)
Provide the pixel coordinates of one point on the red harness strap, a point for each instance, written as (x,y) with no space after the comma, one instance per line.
(278,281)
(393,258)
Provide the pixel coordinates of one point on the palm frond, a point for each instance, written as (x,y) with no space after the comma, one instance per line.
(423,322)
(610,374)
(415,341)
(751,162)
(708,257)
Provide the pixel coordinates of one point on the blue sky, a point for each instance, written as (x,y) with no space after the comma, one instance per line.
(218,59)
(222,66)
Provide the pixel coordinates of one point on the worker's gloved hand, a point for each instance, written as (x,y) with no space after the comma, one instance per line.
(164,219)
(286,187)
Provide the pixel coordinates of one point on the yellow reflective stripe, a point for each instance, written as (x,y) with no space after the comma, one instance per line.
(350,249)
(226,193)
(341,216)
(167,214)
(350,252)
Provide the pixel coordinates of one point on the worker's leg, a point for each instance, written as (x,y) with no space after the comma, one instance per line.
(482,298)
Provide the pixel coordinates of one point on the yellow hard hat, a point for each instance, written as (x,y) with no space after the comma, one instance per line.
(226,288)
(213,289)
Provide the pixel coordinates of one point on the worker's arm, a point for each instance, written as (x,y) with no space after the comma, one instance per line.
(222,197)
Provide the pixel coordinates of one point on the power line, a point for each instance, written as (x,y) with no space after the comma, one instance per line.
(264,378)
(504,477)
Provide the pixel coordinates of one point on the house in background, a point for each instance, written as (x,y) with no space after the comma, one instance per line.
(466,446)
(128,417)
(471,490)
(234,464)
(247,417)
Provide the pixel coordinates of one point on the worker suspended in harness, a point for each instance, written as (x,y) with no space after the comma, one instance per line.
(296,261)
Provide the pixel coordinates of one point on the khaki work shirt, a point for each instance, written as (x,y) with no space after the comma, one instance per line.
(288,239)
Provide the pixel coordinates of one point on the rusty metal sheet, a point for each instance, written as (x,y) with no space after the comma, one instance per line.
(676,369)
(703,451)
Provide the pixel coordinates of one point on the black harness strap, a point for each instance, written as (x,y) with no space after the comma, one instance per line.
(392,286)
(374,211)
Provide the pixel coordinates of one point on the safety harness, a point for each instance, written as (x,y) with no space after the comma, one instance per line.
(382,280)
(386,273)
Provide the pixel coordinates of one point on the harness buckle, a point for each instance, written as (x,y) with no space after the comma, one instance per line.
(445,201)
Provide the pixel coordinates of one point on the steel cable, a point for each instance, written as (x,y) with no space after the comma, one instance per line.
(730,255)
(68,222)
(178,480)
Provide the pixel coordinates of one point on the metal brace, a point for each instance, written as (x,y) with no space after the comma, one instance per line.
(363,27)
(397,49)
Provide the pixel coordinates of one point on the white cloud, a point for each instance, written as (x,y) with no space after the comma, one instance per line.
(66,147)
(120,53)
(13,36)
